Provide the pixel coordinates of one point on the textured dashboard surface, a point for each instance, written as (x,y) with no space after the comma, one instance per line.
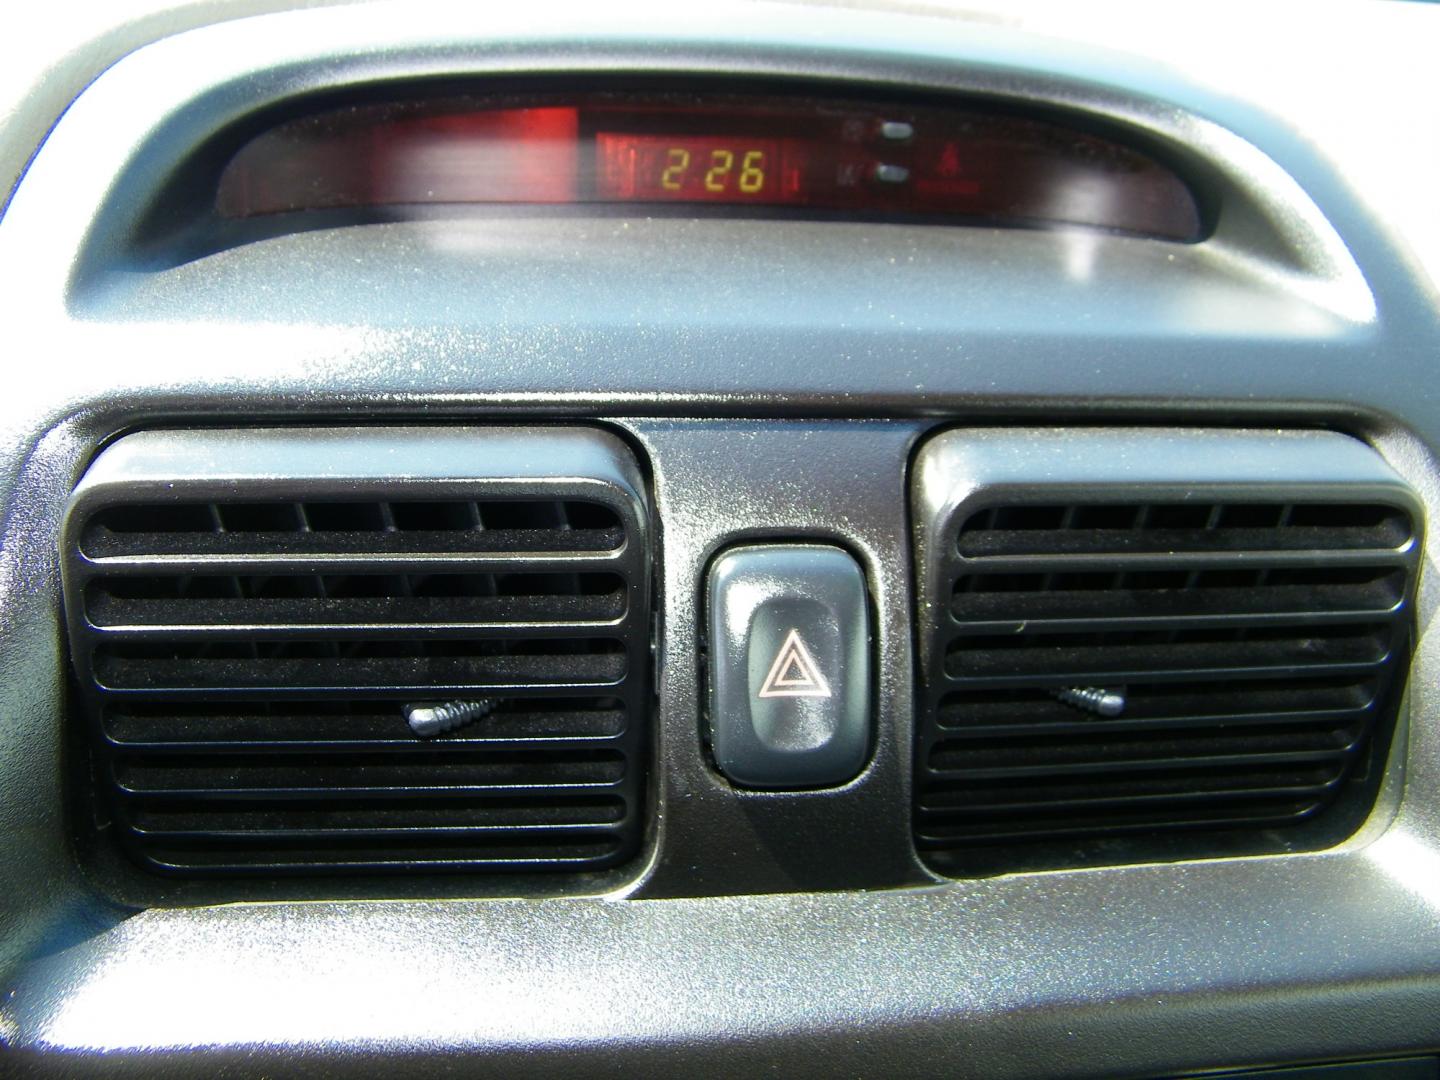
(1314,305)
(1225,963)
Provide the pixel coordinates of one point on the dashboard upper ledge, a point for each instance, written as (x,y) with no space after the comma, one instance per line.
(142,117)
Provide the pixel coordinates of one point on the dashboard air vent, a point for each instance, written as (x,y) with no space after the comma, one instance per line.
(258,617)
(1147,645)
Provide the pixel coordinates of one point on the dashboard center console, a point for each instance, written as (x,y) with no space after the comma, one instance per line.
(617,541)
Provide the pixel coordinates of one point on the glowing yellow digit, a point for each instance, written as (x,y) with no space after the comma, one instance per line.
(752,171)
(721,161)
(677,160)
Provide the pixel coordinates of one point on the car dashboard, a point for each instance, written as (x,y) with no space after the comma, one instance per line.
(622,539)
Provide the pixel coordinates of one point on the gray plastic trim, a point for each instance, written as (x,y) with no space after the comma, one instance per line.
(408,460)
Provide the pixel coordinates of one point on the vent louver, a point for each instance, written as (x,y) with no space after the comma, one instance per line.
(1241,602)
(252,611)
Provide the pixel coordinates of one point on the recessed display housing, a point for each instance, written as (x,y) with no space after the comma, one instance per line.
(731,153)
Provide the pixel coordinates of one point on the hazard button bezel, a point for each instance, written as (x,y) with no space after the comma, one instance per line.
(790,668)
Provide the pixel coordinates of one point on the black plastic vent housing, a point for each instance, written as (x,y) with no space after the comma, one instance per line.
(1142,645)
(251,611)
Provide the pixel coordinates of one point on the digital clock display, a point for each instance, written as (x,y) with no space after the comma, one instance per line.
(663,168)
(716,154)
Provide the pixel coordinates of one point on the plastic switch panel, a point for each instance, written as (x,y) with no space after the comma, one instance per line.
(789,666)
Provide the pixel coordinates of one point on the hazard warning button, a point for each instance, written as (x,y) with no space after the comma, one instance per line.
(789,665)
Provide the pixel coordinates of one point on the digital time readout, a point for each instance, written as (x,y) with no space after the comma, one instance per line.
(663,168)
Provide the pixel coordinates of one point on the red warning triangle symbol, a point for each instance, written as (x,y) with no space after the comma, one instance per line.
(794,672)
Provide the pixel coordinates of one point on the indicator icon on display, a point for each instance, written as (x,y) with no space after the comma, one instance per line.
(949,163)
(891,174)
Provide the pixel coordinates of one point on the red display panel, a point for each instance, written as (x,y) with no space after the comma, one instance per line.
(718,153)
(373,157)
(525,155)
